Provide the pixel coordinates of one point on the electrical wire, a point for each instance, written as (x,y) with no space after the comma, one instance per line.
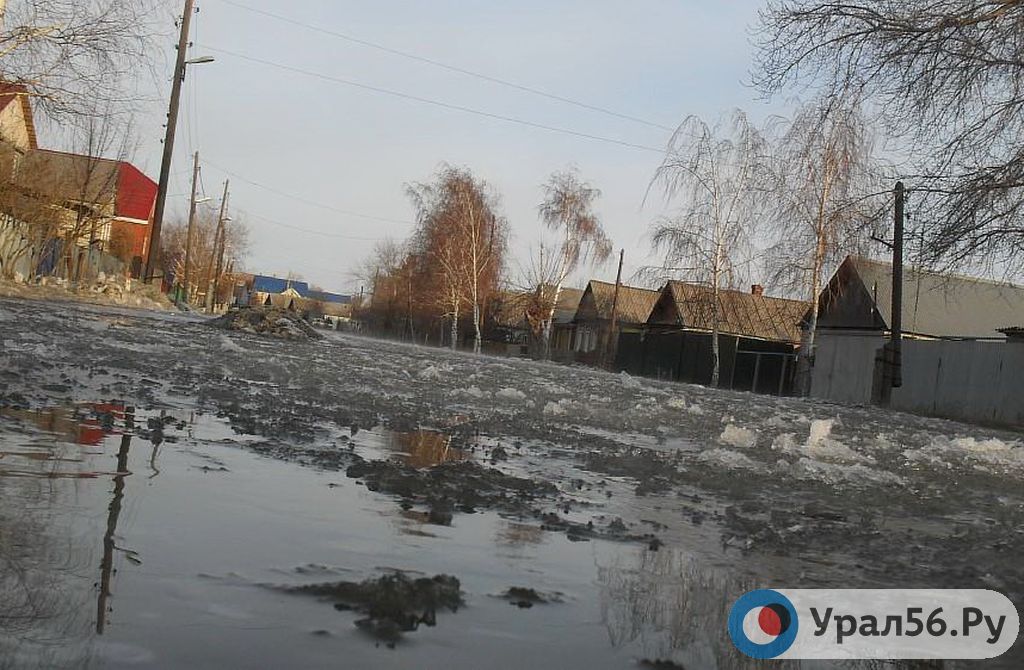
(310,231)
(429,101)
(446,66)
(306,201)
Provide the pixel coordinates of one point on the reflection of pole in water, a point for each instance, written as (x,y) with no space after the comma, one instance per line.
(106,566)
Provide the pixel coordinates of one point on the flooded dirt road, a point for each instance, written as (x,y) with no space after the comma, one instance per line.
(176,496)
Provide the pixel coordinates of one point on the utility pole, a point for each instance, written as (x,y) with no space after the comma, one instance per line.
(610,344)
(218,250)
(896,327)
(191,225)
(153,253)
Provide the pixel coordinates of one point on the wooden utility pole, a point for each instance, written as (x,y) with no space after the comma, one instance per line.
(896,327)
(191,225)
(218,250)
(610,344)
(153,254)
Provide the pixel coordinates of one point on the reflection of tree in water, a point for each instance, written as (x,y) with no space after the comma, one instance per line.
(674,610)
(425,448)
(516,534)
(42,619)
(665,603)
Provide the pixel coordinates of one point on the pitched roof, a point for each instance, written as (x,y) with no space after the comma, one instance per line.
(940,305)
(568,303)
(68,176)
(268,284)
(745,314)
(634,305)
(325,296)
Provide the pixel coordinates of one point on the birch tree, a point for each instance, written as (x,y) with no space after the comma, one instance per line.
(825,180)
(76,57)
(946,76)
(461,233)
(568,209)
(716,179)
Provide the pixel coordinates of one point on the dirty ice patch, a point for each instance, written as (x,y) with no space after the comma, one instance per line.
(989,455)
(434,372)
(837,474)
(560,408)
(732,460)
(509,393)
(628,381)
(474,392)
(736,436)
(676,403)
(227,344)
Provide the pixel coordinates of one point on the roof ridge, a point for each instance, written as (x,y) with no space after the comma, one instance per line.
(938,274)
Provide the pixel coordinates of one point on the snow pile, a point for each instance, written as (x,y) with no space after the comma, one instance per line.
(475,392)
(267,321)
(735,436)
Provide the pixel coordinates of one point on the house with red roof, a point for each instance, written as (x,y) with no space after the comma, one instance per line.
(60,210)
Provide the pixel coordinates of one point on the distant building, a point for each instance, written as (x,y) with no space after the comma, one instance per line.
(66,213)
(758,340)
(961,357)
(593,320)
(296,295)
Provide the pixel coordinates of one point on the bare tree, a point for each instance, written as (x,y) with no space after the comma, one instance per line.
(717,176)
(946,76)
(825,180)
(76,57)
(568,209)
(462,234)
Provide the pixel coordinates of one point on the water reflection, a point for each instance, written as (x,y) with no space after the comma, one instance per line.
(674,610)
(424,448)
(86,424)
(109,545)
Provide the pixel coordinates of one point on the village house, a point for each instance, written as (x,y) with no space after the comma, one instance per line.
(961,358)
(514,326)
(296,296)
(758,339)
(593,338)
(64,213)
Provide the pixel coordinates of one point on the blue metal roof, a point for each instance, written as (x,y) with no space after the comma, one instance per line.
(325,296)
(265,284)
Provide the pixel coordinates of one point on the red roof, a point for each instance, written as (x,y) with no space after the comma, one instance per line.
(136,193)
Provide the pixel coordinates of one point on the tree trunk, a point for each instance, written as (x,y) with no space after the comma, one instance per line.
(478,338)
(549,322)
(714,339)
(455,331)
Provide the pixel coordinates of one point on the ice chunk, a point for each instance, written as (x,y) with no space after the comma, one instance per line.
(628,380)
(736,436)
(676,403)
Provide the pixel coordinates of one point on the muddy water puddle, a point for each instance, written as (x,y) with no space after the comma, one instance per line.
(182,549)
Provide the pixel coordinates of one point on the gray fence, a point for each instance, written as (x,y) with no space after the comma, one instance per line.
(967,380)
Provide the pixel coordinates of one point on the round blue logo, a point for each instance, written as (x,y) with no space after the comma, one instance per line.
(763,624)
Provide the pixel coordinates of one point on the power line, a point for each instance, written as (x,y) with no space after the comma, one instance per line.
(429,101)
(451,68)
(313,203)
(311,231)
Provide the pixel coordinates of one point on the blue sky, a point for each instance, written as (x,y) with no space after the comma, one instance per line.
(354,150)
